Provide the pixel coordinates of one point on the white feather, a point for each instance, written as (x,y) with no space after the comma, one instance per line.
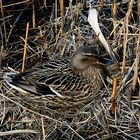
(58,94)
(16,88)
(93,21)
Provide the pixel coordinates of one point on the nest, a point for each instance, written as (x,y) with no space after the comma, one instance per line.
(26,116)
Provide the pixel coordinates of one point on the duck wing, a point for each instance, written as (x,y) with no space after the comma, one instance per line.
(54,78)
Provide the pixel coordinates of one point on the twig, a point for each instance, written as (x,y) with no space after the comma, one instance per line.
(17,132)
(33,15)
(25,48)
(62,15)
(113,94)
(43,130)
(4,26)
(126,33)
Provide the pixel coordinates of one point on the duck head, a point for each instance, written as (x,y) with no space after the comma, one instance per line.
(85,57)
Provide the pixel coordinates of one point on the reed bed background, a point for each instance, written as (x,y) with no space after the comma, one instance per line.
(33,31)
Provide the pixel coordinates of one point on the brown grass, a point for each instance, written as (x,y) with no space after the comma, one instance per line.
(52,26)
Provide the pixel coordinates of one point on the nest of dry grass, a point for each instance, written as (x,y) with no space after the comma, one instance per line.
(24,116)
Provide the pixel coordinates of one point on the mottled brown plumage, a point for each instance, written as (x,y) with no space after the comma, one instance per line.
(64,82)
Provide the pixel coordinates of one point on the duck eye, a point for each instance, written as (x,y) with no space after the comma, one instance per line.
(91,55)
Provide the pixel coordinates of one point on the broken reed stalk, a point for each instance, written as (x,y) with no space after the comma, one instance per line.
(114,20)
(43,127)
(4,26)
(136,68)
(135,78)
(113,94)
(25,48)
(20,131)
(126,33)
(124,47)
(33,14)
(56,16)
(16,3)
(62,15)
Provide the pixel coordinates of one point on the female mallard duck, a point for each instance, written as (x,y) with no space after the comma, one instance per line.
(64,82)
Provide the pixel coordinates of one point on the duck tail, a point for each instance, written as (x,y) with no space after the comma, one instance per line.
(17,82)
(9,77)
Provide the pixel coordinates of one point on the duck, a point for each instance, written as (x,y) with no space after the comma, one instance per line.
(64,82)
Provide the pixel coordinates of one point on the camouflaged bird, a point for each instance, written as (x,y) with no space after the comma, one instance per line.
(64,82)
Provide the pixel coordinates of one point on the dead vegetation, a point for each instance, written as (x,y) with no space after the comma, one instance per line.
(35,31)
